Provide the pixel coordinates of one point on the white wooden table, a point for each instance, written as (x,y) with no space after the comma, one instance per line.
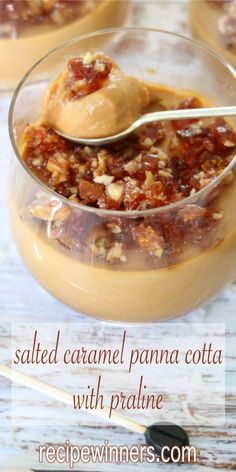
(21,299)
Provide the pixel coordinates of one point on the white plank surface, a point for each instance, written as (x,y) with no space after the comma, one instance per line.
(21,299)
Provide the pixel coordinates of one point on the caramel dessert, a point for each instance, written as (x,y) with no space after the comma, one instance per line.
(214,22)
(138,230)
(18,16)
(29,28)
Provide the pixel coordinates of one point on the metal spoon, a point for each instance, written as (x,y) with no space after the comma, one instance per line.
(155,116)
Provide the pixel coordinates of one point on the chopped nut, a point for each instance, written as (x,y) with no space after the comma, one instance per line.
(158,252)
(131,166)
(73,190)
(94,163)
(81,169)
(162,164)
(123,258)
(154,150)
(218,216)
(102,154)
(147,142)
(88,150)
(99,67)
(101,242)
(138,158)
(103,179)
(196,128)
(204,182)
(114,228)
(37,161)
(165,173)
(101,167)
(74,198)
(58,178)
(116,252)
(174,142)
(115,191)
(58,163)
(161,196)
(98,250)
(200,175)
(72,159)
(87,59)
(229,144)
(78,85)
(162,155)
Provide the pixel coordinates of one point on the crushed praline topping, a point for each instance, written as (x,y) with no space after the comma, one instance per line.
(160,164)
(86,74)
(153,168)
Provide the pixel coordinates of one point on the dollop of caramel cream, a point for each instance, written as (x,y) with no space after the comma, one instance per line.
(109,110)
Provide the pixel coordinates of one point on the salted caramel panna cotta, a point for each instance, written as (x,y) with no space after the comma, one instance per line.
(139,230)
(29,28)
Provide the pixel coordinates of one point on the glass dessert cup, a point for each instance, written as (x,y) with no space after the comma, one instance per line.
(63,243)
(21,47)
(213,23)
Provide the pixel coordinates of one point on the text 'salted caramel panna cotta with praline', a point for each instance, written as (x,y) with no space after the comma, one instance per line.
(29,28)
(138,230)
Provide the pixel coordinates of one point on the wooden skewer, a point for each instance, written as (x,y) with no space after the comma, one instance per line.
(153,434)
(67,398)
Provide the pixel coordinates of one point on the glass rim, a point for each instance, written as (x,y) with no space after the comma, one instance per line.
(126,213)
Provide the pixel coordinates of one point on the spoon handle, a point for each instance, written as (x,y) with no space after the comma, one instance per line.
(185,114)
(67,398)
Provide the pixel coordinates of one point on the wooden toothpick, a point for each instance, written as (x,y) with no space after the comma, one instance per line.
(67,398)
